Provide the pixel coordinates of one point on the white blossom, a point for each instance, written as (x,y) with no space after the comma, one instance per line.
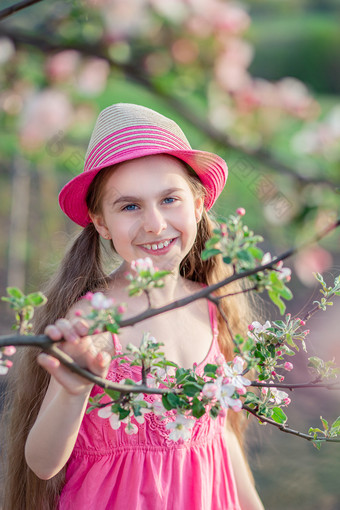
(180,428)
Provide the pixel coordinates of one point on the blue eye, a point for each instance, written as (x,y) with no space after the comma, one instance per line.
(130,207)
(169,200)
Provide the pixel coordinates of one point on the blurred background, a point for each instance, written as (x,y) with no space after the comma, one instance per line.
(258,82)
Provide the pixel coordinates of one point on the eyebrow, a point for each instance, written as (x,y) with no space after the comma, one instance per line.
(131,198)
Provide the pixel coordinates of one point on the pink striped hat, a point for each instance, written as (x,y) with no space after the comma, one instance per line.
(127,131)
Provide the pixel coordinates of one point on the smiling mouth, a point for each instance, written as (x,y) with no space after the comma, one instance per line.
(158,246)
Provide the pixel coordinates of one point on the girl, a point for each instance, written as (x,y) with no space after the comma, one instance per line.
(144,189)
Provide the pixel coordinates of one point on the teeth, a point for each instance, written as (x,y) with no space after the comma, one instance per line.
(158,246)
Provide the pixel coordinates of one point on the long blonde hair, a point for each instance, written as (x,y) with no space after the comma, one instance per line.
(80,271)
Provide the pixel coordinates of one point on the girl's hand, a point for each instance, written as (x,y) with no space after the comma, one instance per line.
(84,349)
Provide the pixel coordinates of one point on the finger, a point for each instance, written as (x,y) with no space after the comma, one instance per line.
(67,330)
(53,332)
(80,326)
(72,383)
(99,364)
(48,362)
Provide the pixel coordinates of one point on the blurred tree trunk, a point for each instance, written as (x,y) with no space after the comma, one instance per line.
(17,243)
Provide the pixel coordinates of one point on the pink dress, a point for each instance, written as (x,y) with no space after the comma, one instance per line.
(112,470)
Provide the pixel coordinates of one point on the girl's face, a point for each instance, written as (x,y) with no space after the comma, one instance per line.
(148,210)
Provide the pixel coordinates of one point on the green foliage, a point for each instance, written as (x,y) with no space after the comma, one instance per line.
(24,306)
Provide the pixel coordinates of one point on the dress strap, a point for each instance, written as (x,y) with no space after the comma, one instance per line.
(116,344)
(213,319)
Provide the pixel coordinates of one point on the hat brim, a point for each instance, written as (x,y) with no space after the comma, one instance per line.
(210,168)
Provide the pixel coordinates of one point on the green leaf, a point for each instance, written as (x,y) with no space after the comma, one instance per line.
(211,252)
(256,252)
(336,423)
(35,299)
(214,412)
(113,394)
(198,408)
(14,292)
(191,389)
(324,423)
(123,413)
(212,241)
(277,301)
(112,328)
(173,400)
(278,415)
(210,369)
(245,256)
(166,403)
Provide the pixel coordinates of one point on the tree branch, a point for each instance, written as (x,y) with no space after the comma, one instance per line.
(284,428)
(4,13)
(138,75)
(293,386)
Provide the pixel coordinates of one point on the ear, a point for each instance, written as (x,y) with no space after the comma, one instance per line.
(199,205)
(100,225)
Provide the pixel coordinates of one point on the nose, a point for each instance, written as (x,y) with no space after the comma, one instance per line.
(154,221)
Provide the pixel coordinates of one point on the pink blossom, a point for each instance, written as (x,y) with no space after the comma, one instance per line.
(241,211)
(312,260)
(62,66)
(302,323)
(219,359)
(88,296)
(251,327)
(241,391)
(220,370)
(100,302)
(140,265)
(93,76)
(78,313)
(279,353)
(121,309)
(9,350)
(45,114)
(222,413)
(286,401)
(209,390)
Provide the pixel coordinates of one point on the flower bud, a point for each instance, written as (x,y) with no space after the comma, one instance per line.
(240,211)
(8,363)
(78,313)
(121,309)
(278,353)
(9,350)
(222,413)
(251,327)
(302,323)
(241,391)
(88,296)
(287,401)
(288,366)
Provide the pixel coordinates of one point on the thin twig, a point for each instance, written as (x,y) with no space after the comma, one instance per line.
(8,11)
(284,428)
(293,386)
(238,292)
